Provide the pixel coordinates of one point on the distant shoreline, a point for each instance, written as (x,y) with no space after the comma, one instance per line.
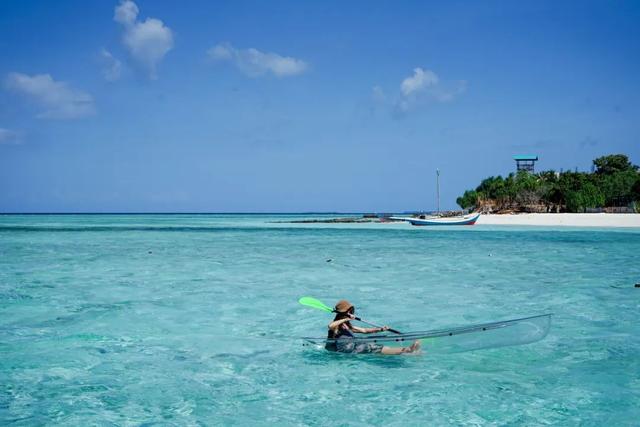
(611,220)
(563,219)
(605,220)
(182,213)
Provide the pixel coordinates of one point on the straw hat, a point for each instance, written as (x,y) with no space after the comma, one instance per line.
(343,306)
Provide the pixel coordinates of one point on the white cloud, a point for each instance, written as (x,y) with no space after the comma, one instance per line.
(255,63)
(126,13)
(377,95)
(447,93)
(423,87)
(146,41)
(9,137)
(111,66)
(221,52)
(58,100)
(420,80)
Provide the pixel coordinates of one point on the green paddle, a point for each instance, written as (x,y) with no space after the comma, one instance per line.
(314,303)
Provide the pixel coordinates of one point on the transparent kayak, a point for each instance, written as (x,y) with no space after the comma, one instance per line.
(463,338)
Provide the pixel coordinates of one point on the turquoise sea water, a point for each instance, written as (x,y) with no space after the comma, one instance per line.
(193,320)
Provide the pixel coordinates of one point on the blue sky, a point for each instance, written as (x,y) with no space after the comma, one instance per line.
(200,106)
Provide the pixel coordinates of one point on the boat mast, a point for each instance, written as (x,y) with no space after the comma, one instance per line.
(438,188)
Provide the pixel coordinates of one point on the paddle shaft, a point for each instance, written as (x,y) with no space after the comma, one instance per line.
(373,324)
(314,303)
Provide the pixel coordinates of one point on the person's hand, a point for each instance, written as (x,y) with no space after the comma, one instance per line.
(351,316)
(384,328)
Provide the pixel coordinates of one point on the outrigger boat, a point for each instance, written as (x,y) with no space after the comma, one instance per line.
(469,219)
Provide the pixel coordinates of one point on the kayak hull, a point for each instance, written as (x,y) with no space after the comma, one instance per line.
(459,339)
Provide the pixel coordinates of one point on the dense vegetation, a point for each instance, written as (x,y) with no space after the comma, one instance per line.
(615,182)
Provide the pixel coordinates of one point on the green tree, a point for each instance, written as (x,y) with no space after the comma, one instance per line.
(569,185)
(616,182)
(587,196)
(618,187)
(509,191)
(468,200)
(635,189)
(492,187)
(635,193)
(550,189)
(527,189)
(607,165)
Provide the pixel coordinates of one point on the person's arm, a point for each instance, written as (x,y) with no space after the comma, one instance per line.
(337,323)
(368,330)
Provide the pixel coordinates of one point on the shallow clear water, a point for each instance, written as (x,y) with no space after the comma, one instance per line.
(193,319)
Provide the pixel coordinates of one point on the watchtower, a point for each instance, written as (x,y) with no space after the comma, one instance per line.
(525,163)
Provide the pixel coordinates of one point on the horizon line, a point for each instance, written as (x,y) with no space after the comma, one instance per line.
(220,213)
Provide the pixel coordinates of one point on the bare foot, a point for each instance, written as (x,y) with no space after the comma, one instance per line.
(414,347)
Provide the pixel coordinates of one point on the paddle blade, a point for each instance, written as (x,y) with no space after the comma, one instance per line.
(314,303)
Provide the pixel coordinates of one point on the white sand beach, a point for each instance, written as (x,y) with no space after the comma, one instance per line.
(563,219)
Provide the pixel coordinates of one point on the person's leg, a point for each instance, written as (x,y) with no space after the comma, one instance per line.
(392,350)
(399,350)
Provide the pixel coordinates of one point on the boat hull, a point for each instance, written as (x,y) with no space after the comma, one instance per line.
(464,220)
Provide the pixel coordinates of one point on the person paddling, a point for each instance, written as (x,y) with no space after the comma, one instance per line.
(340,337)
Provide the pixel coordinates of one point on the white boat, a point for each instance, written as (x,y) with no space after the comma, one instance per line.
(469,219)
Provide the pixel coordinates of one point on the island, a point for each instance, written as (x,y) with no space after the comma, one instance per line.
(612,187)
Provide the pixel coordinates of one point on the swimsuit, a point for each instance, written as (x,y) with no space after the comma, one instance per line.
(343,342)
